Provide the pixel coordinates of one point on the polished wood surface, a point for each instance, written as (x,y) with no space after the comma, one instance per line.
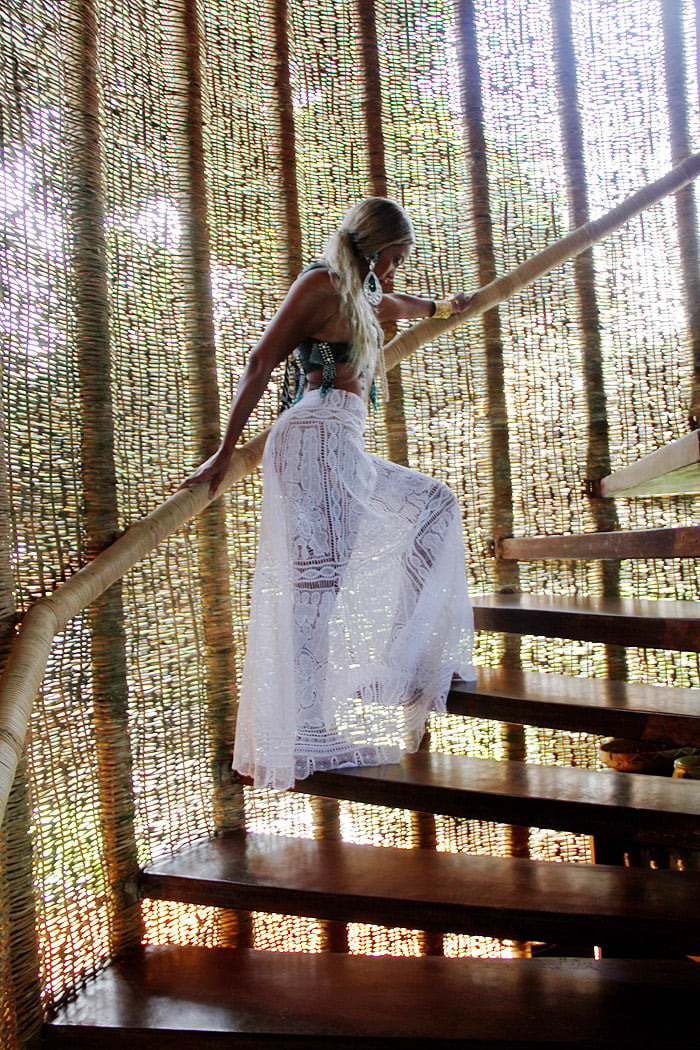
(640,808)
(581,704)
(624,621)
(504,897)
(192,997)
(678,542)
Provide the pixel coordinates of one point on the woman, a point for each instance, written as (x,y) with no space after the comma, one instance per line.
(360,615)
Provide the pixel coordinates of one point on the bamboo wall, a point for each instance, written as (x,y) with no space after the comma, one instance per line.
(167,167)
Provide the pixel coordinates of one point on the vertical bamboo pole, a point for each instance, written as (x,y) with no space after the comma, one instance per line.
(211,524)
(697,47)
(287,139)
(686,209)
(19,908)
(394,411)
(211,527)
(507,573)
(20,1000)
(598,456)
(106,619)
(423,825)
(372,97)
(326,812)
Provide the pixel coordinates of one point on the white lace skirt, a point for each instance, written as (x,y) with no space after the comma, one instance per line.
(360,613)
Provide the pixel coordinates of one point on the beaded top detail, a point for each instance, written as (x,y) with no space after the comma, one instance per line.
(310,355)
(315,353)
(328,373)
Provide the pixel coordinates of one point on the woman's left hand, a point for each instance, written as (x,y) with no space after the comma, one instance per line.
(460,302)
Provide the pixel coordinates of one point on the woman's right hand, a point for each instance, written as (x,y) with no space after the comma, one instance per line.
(309,303)
(213,471)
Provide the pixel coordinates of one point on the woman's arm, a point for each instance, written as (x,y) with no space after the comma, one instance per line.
(397,307)
(308,305)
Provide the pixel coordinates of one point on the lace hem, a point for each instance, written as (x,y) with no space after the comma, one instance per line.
(360,613)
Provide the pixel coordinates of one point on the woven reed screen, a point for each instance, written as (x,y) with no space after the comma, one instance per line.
(166,169)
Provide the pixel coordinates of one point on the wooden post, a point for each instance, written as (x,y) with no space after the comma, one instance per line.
(20,1001)
(18,916)
(212,542)
(507,573)
(598,460)
(287,140)
(686,209)
(211,526)
(394,409)
(106,617)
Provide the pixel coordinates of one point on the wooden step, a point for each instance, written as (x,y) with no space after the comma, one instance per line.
(673,470)
(192,998)
(624,621)
(621,909)
(636,808)
(581,705)
(678,542)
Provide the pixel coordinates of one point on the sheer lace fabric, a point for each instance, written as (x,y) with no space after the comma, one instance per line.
(360,613)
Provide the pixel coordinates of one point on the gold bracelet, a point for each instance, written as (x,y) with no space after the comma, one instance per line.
(443,309)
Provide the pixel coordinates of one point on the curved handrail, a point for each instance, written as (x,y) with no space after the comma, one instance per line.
(47,617)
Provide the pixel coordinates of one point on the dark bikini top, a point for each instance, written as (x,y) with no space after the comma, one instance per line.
(311,355)
(315,353)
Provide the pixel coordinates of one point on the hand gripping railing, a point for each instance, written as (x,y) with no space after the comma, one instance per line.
(47,617)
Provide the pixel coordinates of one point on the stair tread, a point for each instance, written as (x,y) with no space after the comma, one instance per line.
(348,1000)
(657,624)
(640,808)
(592,705)
(444,892)
(673,469)
(680,541)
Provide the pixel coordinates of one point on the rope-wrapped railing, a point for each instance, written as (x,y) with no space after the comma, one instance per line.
(538,265)
(45,619)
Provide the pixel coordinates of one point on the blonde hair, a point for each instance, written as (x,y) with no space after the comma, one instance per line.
(368,228)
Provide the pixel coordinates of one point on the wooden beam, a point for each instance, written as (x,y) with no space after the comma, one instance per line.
(441,892)
(180,997)
(679,542)
(583,705)
(626,621)
(652,810)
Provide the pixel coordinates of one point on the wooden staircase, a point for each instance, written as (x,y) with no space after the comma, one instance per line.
(210,998)
(438,892)
(644,922)
(590,705)
(651,810)
(626,621)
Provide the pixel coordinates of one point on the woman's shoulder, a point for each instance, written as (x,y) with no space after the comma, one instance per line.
(309,304)
(315,280)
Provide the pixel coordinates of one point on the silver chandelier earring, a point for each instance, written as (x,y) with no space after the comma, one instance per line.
(370,286)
